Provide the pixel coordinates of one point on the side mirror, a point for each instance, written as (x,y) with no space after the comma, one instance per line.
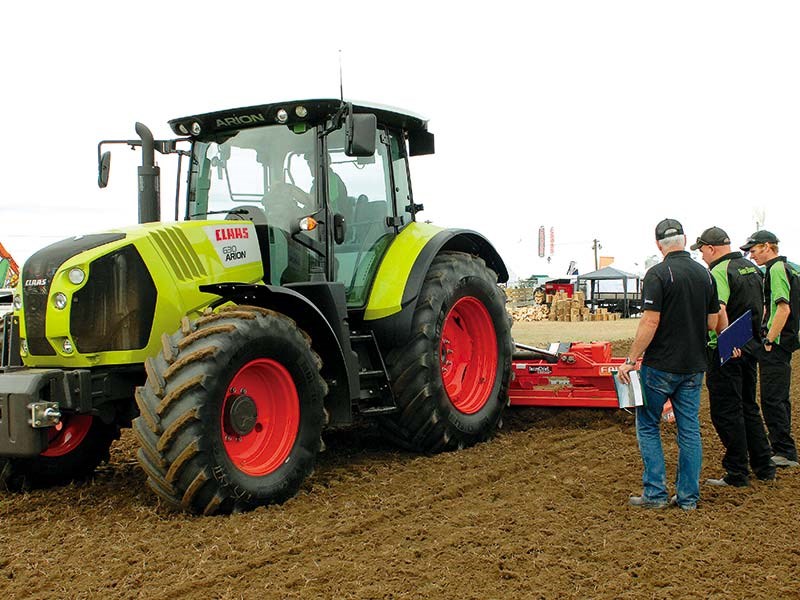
(420,143)
(360,132)
(103,169)
(338,228)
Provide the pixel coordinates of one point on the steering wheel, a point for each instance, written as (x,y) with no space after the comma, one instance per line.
(284,203)
(284,191)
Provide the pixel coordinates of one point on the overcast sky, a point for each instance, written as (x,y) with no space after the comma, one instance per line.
(595,118)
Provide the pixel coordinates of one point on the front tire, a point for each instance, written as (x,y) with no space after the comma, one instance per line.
(451,379)
(75,450)
(232,412)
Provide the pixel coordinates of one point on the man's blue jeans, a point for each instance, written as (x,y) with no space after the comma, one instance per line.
(684,391)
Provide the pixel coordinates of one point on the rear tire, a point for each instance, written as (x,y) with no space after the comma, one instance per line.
(75,451)
(232,412)
(451,379)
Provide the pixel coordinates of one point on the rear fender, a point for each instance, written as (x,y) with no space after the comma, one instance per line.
(324,319)
(403,270)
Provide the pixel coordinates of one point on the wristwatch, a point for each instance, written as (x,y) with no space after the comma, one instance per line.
(630,362)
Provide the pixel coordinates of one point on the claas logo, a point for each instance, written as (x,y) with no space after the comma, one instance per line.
(232,233)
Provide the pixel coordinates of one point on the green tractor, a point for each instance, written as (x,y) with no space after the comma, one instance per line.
(299,292)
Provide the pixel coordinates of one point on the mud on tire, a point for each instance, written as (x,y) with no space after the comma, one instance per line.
(451,379)
(232,412)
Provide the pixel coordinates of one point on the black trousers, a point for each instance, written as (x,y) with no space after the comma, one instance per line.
(776,376)
(737,418)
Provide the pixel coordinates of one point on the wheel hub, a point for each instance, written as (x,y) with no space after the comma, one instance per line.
(260,417)
(468,355)
(242,414)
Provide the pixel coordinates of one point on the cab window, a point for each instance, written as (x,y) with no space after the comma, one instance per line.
(402,188)
(360,189)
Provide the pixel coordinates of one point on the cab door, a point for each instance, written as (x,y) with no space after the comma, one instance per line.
(362,191)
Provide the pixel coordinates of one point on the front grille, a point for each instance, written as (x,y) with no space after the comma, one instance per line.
(114,310)
(34,299)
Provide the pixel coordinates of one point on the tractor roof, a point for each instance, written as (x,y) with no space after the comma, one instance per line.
(312,112)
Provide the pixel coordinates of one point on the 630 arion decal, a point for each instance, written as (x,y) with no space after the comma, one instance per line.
(235,244)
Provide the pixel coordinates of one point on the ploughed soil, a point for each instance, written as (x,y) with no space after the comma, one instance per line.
(538,512)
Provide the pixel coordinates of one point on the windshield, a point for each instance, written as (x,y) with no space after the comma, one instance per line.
(253,168)
(265,175)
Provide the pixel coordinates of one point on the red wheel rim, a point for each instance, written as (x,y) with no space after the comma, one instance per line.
(67,435)
(468,355)
(260,417)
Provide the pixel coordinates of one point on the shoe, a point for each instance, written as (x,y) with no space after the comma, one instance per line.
(727,482)
(687,507)
(768,476)
(642,502)
(782,461)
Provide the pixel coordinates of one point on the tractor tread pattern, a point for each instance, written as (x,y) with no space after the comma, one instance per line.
(425,420)
(176,451)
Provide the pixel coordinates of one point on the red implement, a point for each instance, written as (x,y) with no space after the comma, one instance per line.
(577,375)
(570,375)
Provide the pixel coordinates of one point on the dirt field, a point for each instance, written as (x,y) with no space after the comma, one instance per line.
(538,512)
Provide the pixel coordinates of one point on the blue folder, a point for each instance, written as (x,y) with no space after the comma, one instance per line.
(735,335)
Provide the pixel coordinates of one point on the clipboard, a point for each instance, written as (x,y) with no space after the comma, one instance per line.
(735,335)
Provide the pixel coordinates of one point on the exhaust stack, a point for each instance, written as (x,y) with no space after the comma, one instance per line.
(149,179)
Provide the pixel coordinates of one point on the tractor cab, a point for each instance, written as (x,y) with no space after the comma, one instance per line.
(325,183)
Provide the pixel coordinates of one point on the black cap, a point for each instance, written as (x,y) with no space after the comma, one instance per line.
(713,236)
(668,228)
(762,236)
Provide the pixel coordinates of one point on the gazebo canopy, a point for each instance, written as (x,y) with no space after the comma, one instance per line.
(607,273)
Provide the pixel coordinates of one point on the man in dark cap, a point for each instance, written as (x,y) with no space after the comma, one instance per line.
(779,329)
(732,386)
(680,306)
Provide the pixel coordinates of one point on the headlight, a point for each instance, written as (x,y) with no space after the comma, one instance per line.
(67,346)
(23,347)
(17,301)
(76,276)
(282,116)
(60,301)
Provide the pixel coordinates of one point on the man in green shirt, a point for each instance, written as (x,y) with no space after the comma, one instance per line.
(780,338)
(732,386)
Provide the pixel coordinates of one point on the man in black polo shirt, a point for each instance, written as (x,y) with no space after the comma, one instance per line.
(732,386)
(780,338)
(680,306)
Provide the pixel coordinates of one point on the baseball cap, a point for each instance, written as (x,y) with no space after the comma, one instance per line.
(668,228)
(762,236)
(713,236)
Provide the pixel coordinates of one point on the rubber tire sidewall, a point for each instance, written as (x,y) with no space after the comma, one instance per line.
(427,420)
(284,481)
(475,424)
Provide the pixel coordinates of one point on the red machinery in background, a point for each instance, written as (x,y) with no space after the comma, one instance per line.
(554,286)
